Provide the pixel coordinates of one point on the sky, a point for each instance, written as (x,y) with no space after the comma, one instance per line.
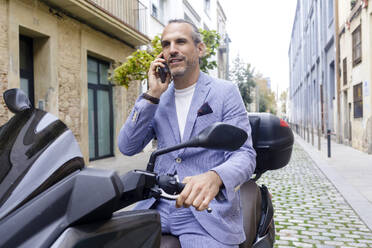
(260,32)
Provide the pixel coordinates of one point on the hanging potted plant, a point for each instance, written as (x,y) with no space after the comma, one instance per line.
(352,3)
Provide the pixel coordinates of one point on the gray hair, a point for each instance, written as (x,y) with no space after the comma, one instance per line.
(195,35)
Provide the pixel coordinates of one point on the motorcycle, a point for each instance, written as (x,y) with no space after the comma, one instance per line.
(48,198)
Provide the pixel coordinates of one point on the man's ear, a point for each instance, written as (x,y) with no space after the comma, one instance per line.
(201,48)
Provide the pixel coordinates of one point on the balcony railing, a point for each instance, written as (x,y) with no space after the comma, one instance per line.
(122,19)
(131,12)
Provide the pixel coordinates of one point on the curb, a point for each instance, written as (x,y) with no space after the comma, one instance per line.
(353,197)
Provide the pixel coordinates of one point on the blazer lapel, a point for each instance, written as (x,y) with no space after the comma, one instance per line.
(171,113)
(201,91)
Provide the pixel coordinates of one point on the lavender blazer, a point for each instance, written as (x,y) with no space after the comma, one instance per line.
(147,120)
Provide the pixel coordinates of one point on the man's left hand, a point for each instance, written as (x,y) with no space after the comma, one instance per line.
(199,190)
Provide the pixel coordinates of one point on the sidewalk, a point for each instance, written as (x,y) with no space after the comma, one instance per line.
(123,164)
(349,170)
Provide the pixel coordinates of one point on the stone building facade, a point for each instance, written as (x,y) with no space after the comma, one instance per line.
(312,71)
(319,98)
(355,32)
(61,53)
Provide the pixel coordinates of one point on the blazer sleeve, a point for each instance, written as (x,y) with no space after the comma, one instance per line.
(239,165)
(138,129)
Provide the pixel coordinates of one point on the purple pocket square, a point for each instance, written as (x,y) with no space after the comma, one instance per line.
(205,109)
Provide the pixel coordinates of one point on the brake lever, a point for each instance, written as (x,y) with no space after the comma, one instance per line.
(167,196)
(159,192)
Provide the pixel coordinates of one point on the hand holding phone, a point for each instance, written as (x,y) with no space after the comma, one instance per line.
(158,76)
(163,72)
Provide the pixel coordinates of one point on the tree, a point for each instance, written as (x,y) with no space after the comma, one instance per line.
(138,63)
(267,102)
(243,75)
(283,100)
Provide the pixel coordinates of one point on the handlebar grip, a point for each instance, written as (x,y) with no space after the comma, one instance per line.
(219,197)
(181,186)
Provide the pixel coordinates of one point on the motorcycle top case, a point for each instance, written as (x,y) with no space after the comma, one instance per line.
(273,141)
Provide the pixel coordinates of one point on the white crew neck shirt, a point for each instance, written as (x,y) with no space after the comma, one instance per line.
(183,99)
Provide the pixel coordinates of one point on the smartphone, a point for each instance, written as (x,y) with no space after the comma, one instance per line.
(163,72)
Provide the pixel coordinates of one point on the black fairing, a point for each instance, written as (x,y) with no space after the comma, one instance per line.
(16,100)
(28,161)
(82,197)
(36,151)
(132,229)
(45,191)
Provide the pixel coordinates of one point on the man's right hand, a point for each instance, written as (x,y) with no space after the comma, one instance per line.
(156,87)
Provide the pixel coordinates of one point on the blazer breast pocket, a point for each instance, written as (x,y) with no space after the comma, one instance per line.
(206,120)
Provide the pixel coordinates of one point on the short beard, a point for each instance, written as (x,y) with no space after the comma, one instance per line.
(179,73)
(182,72)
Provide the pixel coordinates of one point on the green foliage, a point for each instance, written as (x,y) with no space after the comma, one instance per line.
(243,75)
(267,102)
(283,100)
(138,63)
(211,40)
(352,3)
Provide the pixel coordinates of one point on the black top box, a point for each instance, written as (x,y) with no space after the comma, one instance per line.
(273,141)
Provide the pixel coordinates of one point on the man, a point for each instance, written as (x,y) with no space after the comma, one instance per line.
(176,111)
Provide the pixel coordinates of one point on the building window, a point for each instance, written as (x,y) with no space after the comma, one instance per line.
(357,46)
(26,66)
(205,27)
(358,100)
(344,70)
(154,11)
(332,80)
(100,110)
(187,18)
(157,9)
(313,41)
(330,11)
(207,6)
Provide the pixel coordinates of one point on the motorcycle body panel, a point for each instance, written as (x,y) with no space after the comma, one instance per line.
(48,197)
(125,229)
(84,196)
(36,151)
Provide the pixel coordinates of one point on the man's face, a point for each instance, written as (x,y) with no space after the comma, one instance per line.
(179,49)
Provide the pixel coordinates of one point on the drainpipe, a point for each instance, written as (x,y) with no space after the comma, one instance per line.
(227,42)
(337,59)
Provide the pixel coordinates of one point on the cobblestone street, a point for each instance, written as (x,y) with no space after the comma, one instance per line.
(309,211)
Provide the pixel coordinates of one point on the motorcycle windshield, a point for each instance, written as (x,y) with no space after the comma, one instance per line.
(36,151)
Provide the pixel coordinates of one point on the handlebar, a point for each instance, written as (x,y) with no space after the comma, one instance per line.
(140,185)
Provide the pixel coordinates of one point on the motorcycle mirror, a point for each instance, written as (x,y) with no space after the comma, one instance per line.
(16,100)
(218,136)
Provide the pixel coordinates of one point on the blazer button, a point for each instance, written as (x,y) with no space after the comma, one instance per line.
(178,160)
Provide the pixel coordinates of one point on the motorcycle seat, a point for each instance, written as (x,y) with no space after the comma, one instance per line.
(250,195)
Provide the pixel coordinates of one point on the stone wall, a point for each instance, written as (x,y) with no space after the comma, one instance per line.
(367,137)
(4,58)
(132,95)
(69,74)
(357,134)
(63,44)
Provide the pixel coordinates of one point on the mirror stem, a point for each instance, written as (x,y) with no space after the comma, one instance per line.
(151,163)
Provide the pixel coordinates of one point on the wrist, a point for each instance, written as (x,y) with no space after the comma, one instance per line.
(153,100)
(218,179)
(154,93)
